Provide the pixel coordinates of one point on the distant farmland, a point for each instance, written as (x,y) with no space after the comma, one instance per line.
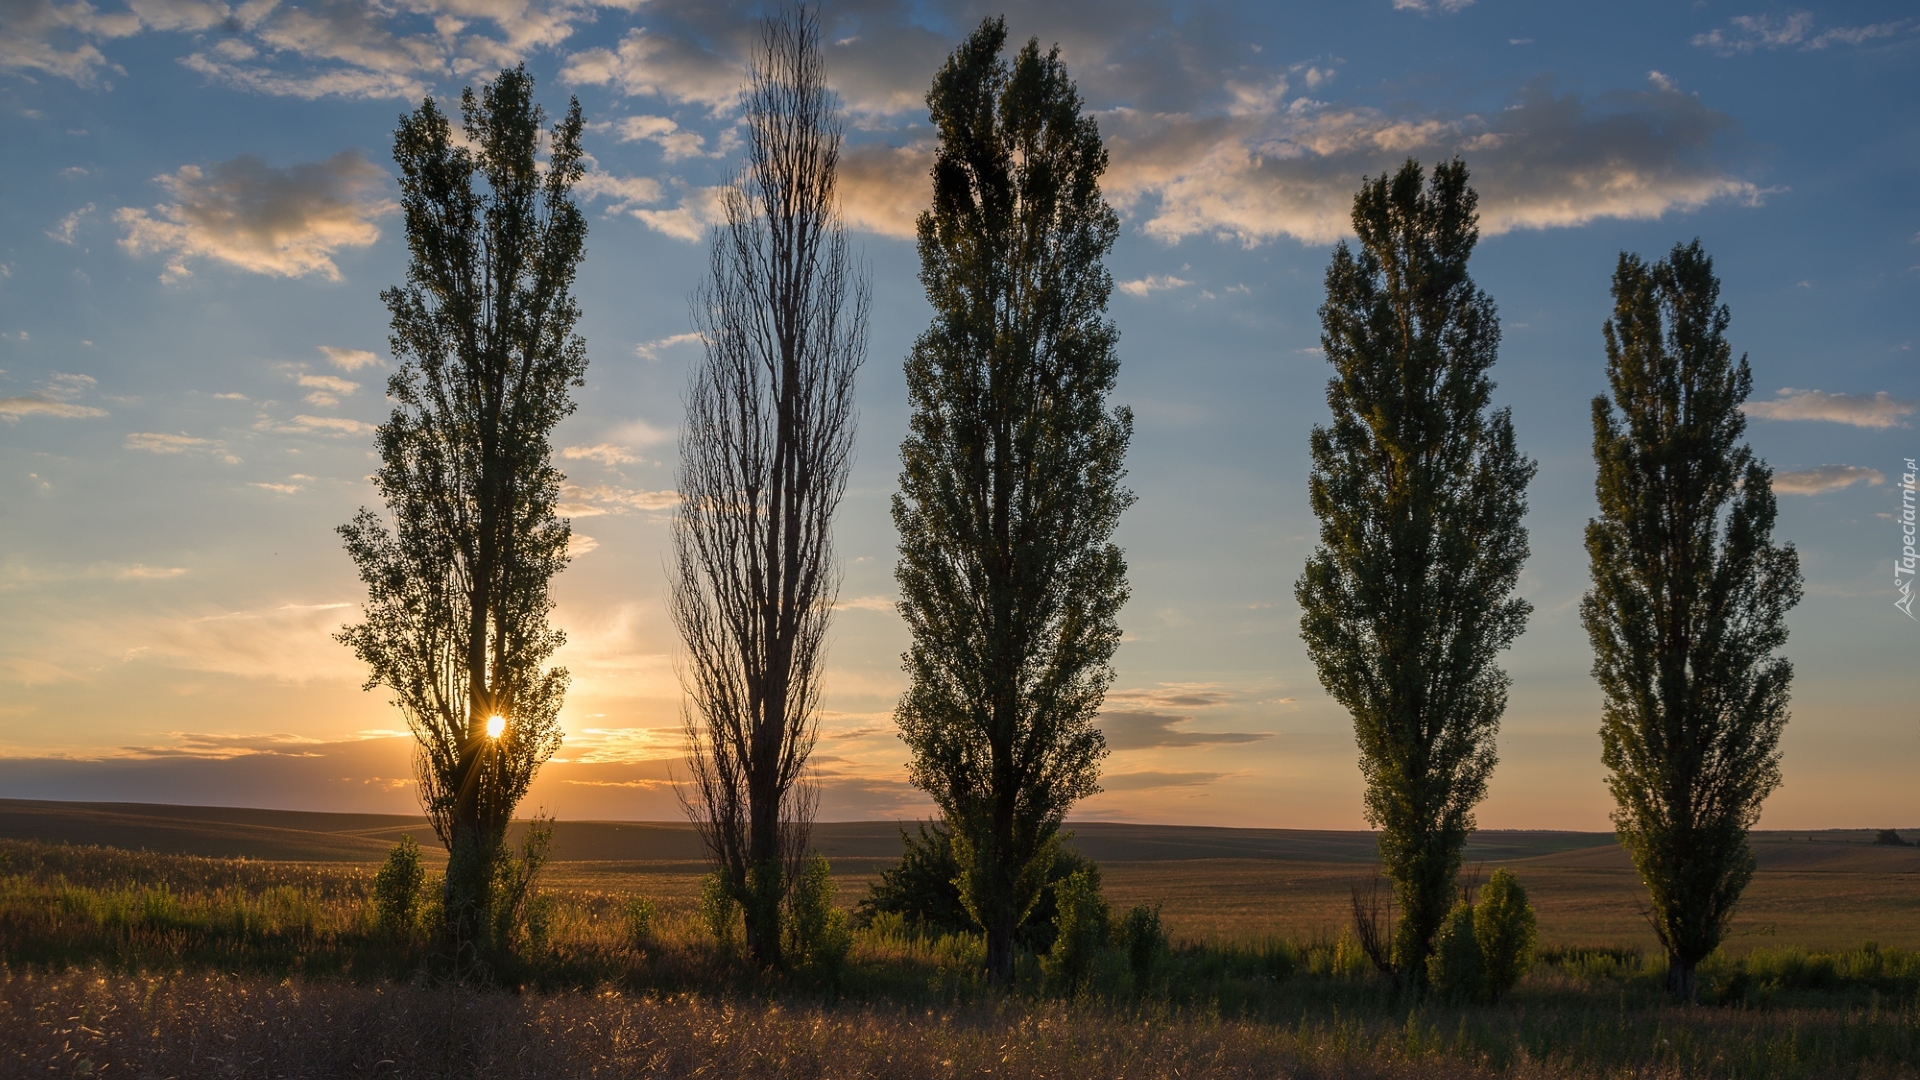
(1824,889)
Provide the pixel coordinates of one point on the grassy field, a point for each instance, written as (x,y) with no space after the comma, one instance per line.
(166,963)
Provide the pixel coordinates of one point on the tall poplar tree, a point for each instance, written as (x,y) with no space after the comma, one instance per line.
(1689,602)
(764,459)
(1420,492)
(1010,477)
(458,584)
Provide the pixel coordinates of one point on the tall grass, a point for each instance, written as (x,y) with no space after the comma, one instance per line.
(151,964)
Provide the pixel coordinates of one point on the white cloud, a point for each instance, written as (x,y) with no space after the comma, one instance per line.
(351,359)
(279,489)
(678,69)
(578,545)
(1427,7)
(699,207)
(677,142)
(650,350)
(1880,410)
(70,224)
(1754,33)
(54,398)
(1153,283)
(323,425)
(624,192)
(248,214)
(884,604)
(1547,161)
(640,433)
(327,389)
(883,189)
(605,453)
(164,442)
(13,408)
(59,39)
(1746,33)
(581,501)
(1824,478)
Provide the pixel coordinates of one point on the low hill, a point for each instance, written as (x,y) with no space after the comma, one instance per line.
(323,837)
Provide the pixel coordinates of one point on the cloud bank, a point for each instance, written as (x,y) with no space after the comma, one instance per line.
(252,216)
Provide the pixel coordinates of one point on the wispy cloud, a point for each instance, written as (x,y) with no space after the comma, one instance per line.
(1879,410)
(164,442)
(247,214)
(1429,7)
(1765,33)
(318,425)
(1153,283)
(326,390)
(867,603)
(351,359)
(582,501)
(650,350)
(69,225)
(1153,779)
(605,453)
(55,398)
(1824,478)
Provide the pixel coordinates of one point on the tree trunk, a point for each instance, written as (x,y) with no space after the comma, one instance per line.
(1000,945)
(1680,980)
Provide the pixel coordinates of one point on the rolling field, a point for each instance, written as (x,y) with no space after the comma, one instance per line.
(1822,890)
(243,943)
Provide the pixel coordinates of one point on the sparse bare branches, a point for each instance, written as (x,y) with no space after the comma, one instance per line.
(764,458)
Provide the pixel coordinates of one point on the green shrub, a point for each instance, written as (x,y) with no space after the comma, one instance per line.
(817,933)
(920,889)
(1503,927)
(1142,940)
(1080,927)
(639,919)
(396,889)
(718,909)
(1454,970)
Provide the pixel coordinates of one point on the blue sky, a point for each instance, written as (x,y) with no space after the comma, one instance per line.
(199,219)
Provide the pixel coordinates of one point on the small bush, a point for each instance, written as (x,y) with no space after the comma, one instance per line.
(1454,970)
(719,911)
(1142,940)
(1503,927)
(1080,931)
(396,889)
(639,922)
(817,933)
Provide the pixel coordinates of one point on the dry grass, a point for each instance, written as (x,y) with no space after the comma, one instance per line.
(90,1022)
(173,966)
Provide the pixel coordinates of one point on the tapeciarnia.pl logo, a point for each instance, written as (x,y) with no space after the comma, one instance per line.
(1904,565)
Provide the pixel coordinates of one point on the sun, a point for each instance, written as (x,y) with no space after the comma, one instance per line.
(496,726)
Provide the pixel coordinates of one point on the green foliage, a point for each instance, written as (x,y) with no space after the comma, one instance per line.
(1503,926)
(1143,941)
(1689,602)
(818,936)
(637,917)
(1010,475)
(397,887)
(1454,970)
(922,890)
(522,917)
(458,581)
(1081,927)
(719,911)
(1420,495)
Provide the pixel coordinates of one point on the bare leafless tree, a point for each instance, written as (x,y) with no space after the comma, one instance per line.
(764,457)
